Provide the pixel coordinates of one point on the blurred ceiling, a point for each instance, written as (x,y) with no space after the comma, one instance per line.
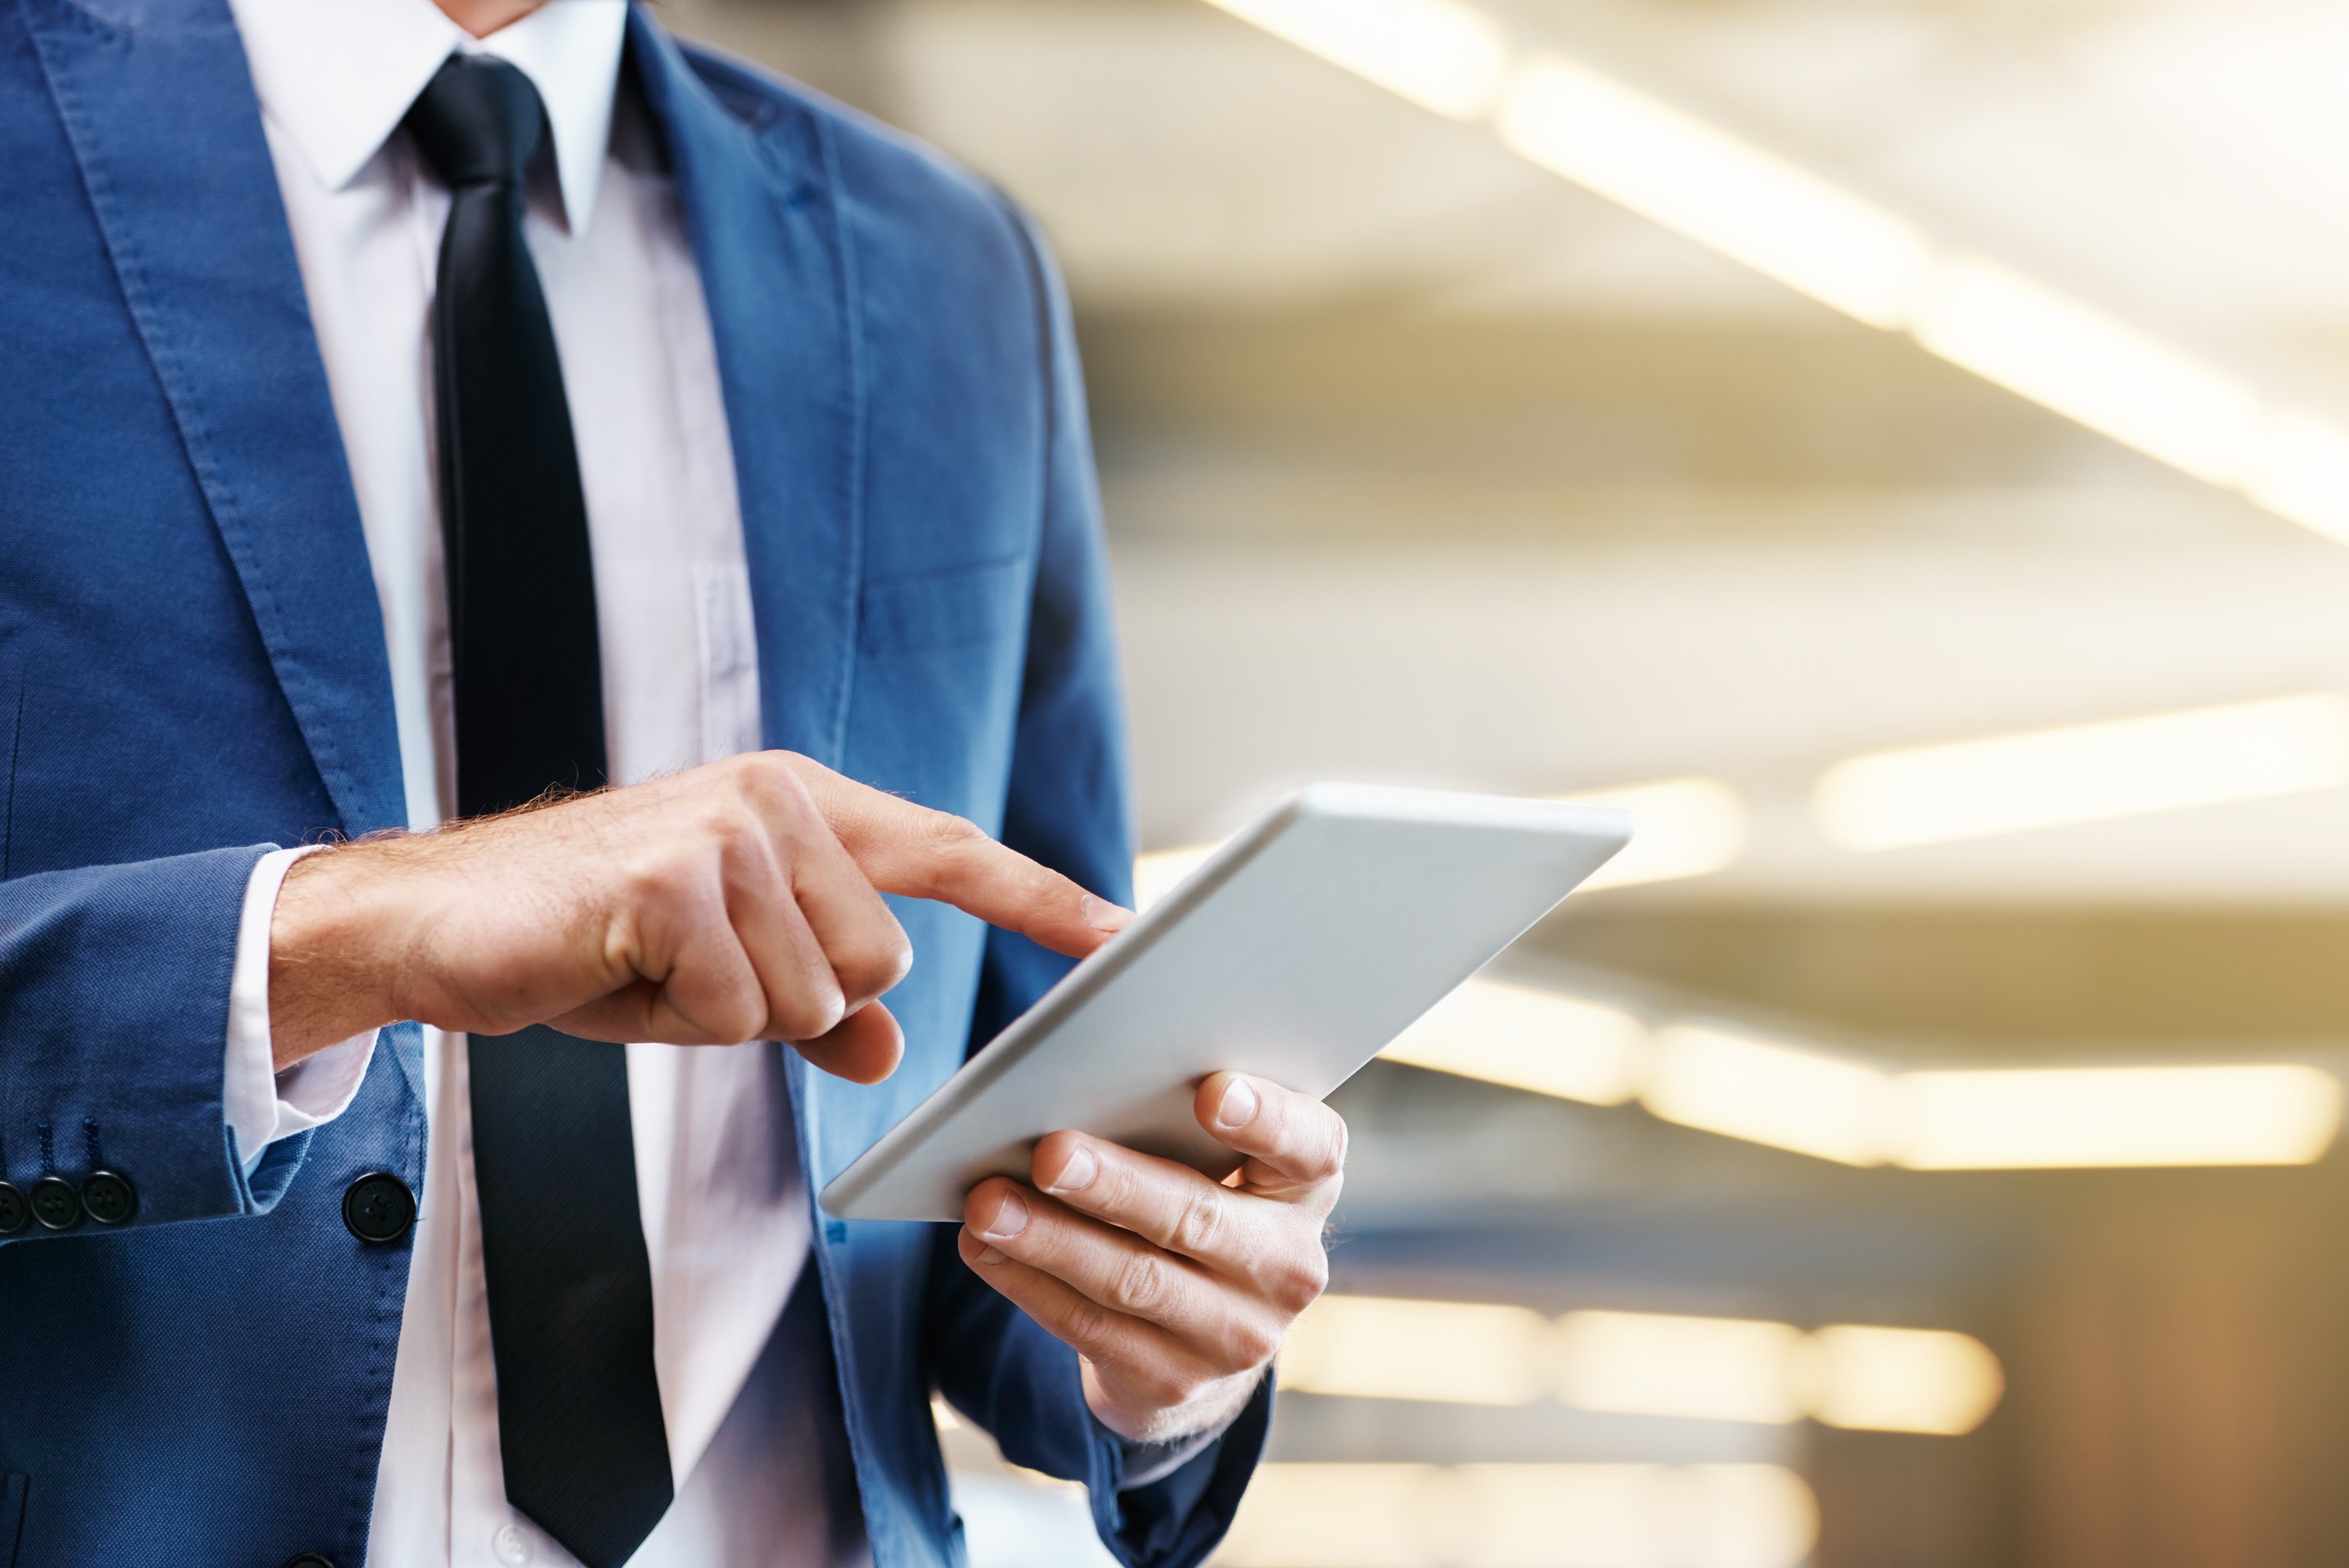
(1423,464)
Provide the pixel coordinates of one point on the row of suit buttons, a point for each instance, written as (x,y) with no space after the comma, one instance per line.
(59,1205)
(378,1208)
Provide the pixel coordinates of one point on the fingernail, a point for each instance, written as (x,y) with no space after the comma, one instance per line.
(1079,1173)
(989,1255)
(1010,1219)
(1103,916)
(1238,1106)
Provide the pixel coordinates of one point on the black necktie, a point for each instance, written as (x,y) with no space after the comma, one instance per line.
(563,1245)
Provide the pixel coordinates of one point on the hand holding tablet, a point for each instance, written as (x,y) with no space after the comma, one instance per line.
(1297,951)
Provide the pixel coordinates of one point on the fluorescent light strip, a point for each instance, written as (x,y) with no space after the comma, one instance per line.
(1531,1038)
(1511,1515)
(1927,1381)
(1796,1097)
(1156,873)
(1376,1347)
(1442,55)
(2048,1119)
(1699,1368)
(1768,1092)
(2089,773)
(2064,356)
(1722,193)
(1833,245)
(1750,1371)
(1681,828)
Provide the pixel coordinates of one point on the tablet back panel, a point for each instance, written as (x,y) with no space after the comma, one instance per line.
(1295,953)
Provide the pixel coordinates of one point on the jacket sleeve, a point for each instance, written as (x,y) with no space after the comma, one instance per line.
(114,1008)
(1067,808)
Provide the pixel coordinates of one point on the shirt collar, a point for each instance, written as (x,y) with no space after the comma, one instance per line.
(337,77)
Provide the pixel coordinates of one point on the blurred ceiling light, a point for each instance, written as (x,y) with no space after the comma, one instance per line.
(2302,473)
(1156,873)
(1901,1379)
(2056,1119)
(2082,364)
(1706,1368)
(1442,54)
(1685,827)
(1768,1092)
(1837,248)
(2089,773)
(1528,1038)
(1374,1347)
(1717,188)
(1630,1516)
(1523,1516)
(1746,1370)
(1336,1516)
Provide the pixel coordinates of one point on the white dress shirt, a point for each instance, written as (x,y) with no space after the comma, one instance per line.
(725,1219)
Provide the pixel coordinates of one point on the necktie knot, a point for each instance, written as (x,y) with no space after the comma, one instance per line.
(477,121)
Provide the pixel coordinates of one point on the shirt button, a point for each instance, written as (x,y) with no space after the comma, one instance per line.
(110,1198)
(378,1207)
(56,1204)
(512,1545)
(309,1560)
(16,1211)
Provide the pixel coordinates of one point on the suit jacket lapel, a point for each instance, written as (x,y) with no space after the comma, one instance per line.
(162,119)
(762,209)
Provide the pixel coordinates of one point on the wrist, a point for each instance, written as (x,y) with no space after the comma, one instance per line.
(329,935)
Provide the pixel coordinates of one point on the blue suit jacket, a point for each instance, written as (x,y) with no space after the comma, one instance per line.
(192,669)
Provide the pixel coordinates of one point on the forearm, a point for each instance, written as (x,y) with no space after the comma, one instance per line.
(331,955)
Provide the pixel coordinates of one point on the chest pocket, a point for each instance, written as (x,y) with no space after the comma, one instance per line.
(964,607)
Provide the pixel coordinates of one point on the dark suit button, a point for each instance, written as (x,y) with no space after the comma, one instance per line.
(56,1204)
(309,1560)
(16,1212)
(379,1206)
(111,1198)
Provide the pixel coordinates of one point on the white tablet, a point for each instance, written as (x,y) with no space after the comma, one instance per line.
(1295,952)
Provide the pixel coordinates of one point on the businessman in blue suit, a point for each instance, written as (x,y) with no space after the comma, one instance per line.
(542,573)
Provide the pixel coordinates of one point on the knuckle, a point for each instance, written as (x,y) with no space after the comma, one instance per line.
(1086,1325)
(949,835)
(1141,1284)
(1116,1190)
(802,1017)
(872,970)
(1202,1221)
(767,781)
(741,1016)
(1252,1343)
(1298,1281)
(896,955)
(734,828)
(1166,1387)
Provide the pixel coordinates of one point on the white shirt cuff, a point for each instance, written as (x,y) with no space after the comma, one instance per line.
(1149,1463)
(264,1104)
